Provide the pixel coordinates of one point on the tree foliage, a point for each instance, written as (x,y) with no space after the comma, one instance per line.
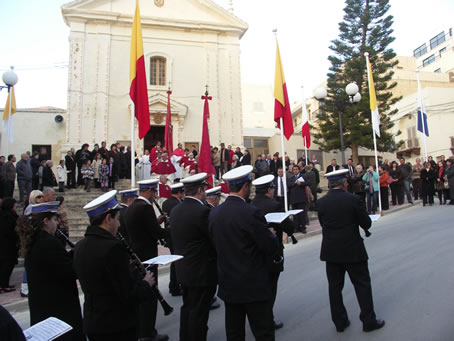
(366,27)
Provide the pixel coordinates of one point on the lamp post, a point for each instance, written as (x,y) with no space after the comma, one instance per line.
(354,96)
(10,79)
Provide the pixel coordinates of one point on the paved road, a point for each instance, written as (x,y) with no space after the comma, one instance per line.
(412,269)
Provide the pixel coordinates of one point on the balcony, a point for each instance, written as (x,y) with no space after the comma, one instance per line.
(411,146)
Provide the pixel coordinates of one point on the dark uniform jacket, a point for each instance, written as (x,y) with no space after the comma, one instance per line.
(122,229)
(340,214)
(267,205)
(243,245)
(190,237)
(169,204)
(143,229)
(111,291)
(52,284)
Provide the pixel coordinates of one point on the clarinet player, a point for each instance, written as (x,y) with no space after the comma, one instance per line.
(102,265)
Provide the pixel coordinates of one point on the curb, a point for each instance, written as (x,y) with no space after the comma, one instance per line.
(22,304)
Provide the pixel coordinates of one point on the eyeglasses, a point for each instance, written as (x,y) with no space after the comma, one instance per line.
(40,197)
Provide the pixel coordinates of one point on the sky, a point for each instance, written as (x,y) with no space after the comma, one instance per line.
(35,40)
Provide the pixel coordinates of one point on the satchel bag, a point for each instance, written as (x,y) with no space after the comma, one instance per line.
(389,180)
(446,184)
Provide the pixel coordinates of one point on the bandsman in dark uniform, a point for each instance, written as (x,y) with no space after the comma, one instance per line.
(102,264)
(197,270)
(243,245)
(144,231)
(213,196)
(341,214)
(264,200)
(127,197)
(176,198)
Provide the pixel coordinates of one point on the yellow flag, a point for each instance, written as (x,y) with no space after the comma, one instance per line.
(13,104)
(373,100)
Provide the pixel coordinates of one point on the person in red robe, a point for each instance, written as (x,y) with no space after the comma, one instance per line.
(163,167)
(154,151)
(190,162)
(184,158)
(179,151)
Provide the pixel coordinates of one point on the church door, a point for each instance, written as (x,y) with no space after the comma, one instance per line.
(155,134)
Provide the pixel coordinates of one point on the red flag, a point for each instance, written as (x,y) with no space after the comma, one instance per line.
(305,129)
(281,103)
(205,164)
(168,133)
(137,77)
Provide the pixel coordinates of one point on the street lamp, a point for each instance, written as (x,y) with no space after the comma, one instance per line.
(10,79)
(354,96)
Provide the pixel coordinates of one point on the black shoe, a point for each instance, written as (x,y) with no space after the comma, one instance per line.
(278,325)
(215,305)
(373,326)
(345,326)
(23,294)
(159,337)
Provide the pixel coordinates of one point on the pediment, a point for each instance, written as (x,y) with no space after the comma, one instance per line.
(158,103)
(183,13)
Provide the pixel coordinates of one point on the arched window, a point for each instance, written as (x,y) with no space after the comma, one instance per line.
(158,71)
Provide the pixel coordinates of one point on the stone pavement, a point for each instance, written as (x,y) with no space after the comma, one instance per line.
(13,300)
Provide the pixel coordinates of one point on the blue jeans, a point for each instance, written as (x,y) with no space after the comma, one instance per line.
(407,190)
(372,202)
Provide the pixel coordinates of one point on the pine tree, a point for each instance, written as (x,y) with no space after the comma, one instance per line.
(366,28)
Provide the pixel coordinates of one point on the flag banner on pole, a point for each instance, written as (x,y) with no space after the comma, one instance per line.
(137,77)
(305,129)
(281,103)
(8,125)
(422,114)
(168,133)
(205,164)
(373,100)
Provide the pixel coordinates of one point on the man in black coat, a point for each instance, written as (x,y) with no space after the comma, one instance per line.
(341,214)
(102,264)
(35,163)
(297,185)
(144,231)
(127,197)
(49,179)
(167,206)
(71,168)
(332,167)
(197,270)
(264,193)
(243,244)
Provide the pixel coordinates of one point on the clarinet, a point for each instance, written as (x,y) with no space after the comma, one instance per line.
(65,238)
(163,241)
(143,271)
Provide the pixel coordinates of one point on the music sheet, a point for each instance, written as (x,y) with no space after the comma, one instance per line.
(279,217)
(162,260)
(47,330)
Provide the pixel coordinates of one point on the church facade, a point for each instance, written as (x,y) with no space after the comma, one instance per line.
(188,45)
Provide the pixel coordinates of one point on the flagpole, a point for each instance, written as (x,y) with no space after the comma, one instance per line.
(302,116)
(420,95)
(283,165)
(10,132)
(375,139)
(133,153)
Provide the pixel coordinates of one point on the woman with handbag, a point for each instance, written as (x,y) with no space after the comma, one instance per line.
(385,180)
(427,182)
(439,185)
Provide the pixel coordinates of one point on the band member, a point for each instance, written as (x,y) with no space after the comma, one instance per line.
(102,264)
(243,244)
(213,196)
(51,277)
(197,270)
(264,200)
(176,198)
(144,231)
(341,214)
(127,197)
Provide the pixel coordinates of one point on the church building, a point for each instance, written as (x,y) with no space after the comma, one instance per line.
(189,45)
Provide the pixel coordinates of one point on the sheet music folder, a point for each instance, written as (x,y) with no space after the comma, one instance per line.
(47,330)
(279,217)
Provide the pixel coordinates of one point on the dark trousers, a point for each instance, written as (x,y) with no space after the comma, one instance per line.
(359,276)
(417,188)
(127,335)
(194,312)
(6,269)
(147,313)
(112,182)
(443,194)
(72,179)
(274,277)
(300,219)
(281,201)
(9,189)
(87,183)
(61,186)
(427,198)
(35,182)
(397,193)
(372,202)
(260,317)
(25,187)
(384,194)
(217,168)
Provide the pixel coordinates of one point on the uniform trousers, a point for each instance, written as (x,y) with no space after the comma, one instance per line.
(127,335)
(260,317)
(360,278)
(274,277)
(194,312)
(300,219)
(147,313)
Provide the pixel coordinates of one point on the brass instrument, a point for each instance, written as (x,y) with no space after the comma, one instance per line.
(65,238)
